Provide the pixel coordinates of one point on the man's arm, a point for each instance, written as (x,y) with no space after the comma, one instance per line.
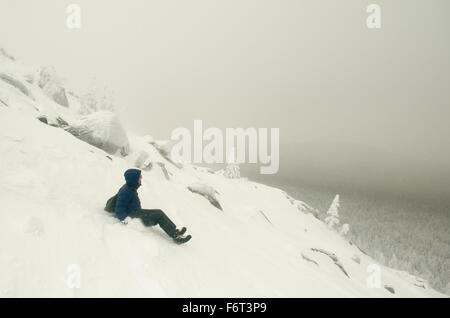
(123,201)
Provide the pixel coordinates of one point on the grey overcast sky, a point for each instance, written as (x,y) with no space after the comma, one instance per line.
(353,104)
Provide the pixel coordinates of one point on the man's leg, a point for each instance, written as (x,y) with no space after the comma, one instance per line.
(154,217)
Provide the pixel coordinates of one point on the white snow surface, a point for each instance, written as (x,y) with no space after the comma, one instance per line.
(53,190)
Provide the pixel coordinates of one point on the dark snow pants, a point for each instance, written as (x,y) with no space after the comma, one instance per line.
(158,217)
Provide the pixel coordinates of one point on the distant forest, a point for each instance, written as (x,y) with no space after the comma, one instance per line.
(399,232)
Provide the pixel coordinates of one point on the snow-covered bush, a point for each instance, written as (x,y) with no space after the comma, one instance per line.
(103,130)
(232,171)
(333,213)
(50,83)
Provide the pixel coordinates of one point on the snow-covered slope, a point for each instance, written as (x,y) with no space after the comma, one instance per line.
(261,243)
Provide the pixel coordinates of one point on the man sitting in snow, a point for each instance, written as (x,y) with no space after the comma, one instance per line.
(129,205)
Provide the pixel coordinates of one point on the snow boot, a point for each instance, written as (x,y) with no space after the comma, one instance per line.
(182,239)
(180,232)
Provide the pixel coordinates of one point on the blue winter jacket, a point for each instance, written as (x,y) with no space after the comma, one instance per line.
(128,203)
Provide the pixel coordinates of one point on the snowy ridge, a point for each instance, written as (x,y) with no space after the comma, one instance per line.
(262,243)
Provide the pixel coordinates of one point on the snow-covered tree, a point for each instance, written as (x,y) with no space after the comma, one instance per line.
(333,213)
(344,229)
(232,170)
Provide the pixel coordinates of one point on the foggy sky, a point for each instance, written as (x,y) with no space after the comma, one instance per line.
(353,105)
